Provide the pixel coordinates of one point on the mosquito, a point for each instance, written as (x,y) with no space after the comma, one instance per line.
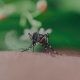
(42,39)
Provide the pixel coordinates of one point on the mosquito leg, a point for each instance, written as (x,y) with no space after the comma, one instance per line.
(33,43)
(33,48)
(24,50)
(49,49)
(28,48)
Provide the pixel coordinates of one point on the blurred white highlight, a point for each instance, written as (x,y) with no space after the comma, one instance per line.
(14,43)
(42,5)
(25,36)
(42,31)
(6,10)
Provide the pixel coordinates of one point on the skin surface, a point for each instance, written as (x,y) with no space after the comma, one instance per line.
(34,66)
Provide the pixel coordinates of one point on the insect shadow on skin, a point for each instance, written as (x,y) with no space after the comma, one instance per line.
(41,39)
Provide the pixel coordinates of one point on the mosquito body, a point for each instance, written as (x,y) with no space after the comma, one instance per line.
(40,39)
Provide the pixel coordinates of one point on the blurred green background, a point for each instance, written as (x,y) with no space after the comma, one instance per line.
(63,16)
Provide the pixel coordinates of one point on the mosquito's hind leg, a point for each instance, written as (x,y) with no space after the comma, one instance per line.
(47,49)
(56,52)
(51,50)
(33,45)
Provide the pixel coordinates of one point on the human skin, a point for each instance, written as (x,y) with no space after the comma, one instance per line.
(38,66)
